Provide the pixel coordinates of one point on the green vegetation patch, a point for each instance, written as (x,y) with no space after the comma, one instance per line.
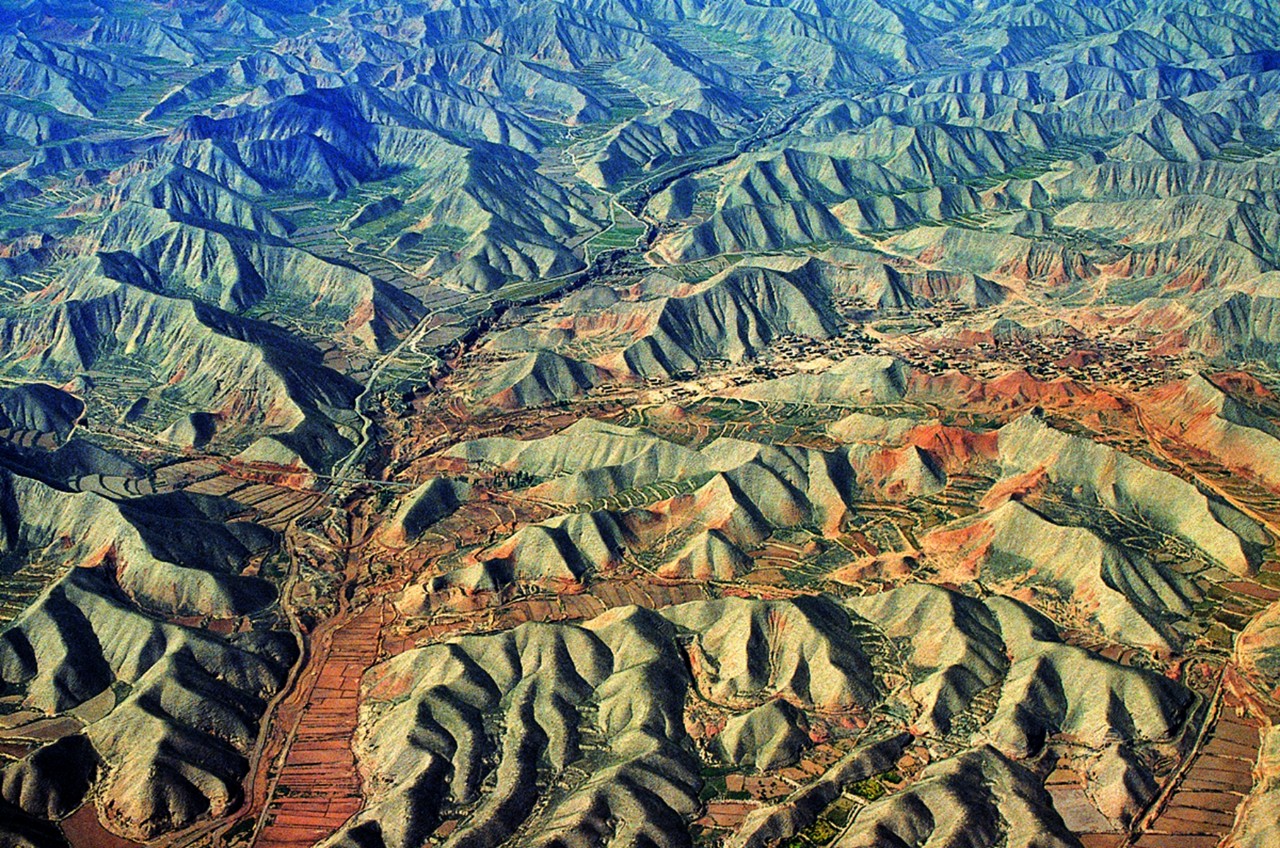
(870,789)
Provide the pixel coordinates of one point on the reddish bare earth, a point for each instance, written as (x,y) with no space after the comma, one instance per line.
(319,788)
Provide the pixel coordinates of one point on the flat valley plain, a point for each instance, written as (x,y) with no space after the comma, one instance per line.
(655,423)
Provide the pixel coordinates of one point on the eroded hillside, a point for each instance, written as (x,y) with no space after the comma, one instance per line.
(639,423)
